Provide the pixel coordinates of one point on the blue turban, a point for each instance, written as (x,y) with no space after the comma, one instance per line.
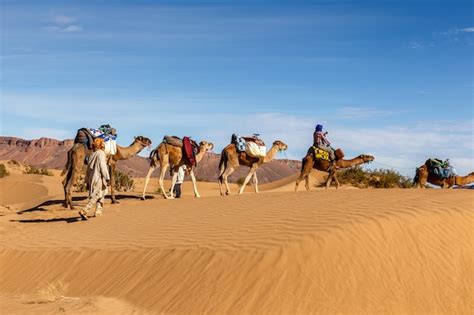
(319,127)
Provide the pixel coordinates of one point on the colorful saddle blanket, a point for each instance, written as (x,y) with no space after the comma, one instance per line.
(320,154)
(87,135)
(239,142)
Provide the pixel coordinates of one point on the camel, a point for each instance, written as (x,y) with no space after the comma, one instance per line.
(423,176)
(75,162)
(323,165)
(231,160)
(166,155)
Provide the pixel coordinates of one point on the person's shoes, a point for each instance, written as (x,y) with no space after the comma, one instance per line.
(83,214)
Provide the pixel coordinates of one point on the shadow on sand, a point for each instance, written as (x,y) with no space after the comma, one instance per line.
(67,220)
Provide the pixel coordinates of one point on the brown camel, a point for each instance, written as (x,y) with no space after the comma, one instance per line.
(309,163)
(75,163)
(166,155)
(231,160)
(423,176)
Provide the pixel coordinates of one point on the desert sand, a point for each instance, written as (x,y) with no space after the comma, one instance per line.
(351,251)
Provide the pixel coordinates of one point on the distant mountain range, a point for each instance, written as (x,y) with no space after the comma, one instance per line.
(51,153)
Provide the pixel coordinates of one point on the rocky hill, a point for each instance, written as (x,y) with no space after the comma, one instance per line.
(51,153)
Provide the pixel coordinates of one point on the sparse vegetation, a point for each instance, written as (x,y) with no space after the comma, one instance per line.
(37,171)
(3,171)
(53,291)
(80,185)
(123,182)
(14,162)
(241,180)
(378,178)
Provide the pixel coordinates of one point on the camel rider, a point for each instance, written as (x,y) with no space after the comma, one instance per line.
(321,142)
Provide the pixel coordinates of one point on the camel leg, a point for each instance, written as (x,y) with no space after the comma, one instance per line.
(306,182)
(298,180)
(112,183)
(255,182)
(253,169)
(67,190)
(193,178)
(336,180)
(147,179)
(228,171)
(329,180)
(160,180)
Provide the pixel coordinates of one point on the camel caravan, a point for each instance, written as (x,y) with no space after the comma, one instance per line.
(439,173)
(249,151)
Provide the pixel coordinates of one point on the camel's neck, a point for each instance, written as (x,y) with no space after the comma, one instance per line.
(124,153)
(270,154)
(464,180)
(349,163)
(200,155)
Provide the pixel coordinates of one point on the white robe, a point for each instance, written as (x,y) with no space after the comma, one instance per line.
(97,174)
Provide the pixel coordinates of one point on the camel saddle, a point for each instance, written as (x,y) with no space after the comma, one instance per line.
(173,140)
(190,149)
(255,139)
(320,154)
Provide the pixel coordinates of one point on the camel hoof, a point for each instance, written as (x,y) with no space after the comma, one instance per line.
(115,201)
(143,198)
(197,196)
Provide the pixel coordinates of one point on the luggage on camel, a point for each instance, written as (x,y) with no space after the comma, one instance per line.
(440,168)
(339,154)
(190,149)
(255,147)
(86,136)
(173,140)
(239,142)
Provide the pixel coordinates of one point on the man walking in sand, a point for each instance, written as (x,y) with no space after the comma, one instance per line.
(97,179)
(179,181)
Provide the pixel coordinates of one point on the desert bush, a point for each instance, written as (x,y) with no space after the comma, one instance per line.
(3,171)
(123,182)
(53,291)
(80,185)
(37,171)
(378,178)
(241,181)
(15,162)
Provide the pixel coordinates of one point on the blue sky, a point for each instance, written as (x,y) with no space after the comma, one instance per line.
(389,78)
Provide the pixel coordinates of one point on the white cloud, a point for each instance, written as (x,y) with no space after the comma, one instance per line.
(72,28)
(63,19)
(467,30)
(362,112)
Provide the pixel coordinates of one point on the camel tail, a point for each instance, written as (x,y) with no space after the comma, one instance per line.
(303,162)
(68,163)
(222,164)
(417,176)
(154,158)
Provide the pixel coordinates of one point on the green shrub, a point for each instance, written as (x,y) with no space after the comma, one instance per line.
(378,178)
(80,185)
(3,171)
(37,171)
(123,182)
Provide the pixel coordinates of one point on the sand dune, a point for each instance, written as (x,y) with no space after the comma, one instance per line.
(347,251)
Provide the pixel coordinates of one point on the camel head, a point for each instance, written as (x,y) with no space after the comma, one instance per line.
(280,145)
(205,146)
(366,158)
(145,142)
